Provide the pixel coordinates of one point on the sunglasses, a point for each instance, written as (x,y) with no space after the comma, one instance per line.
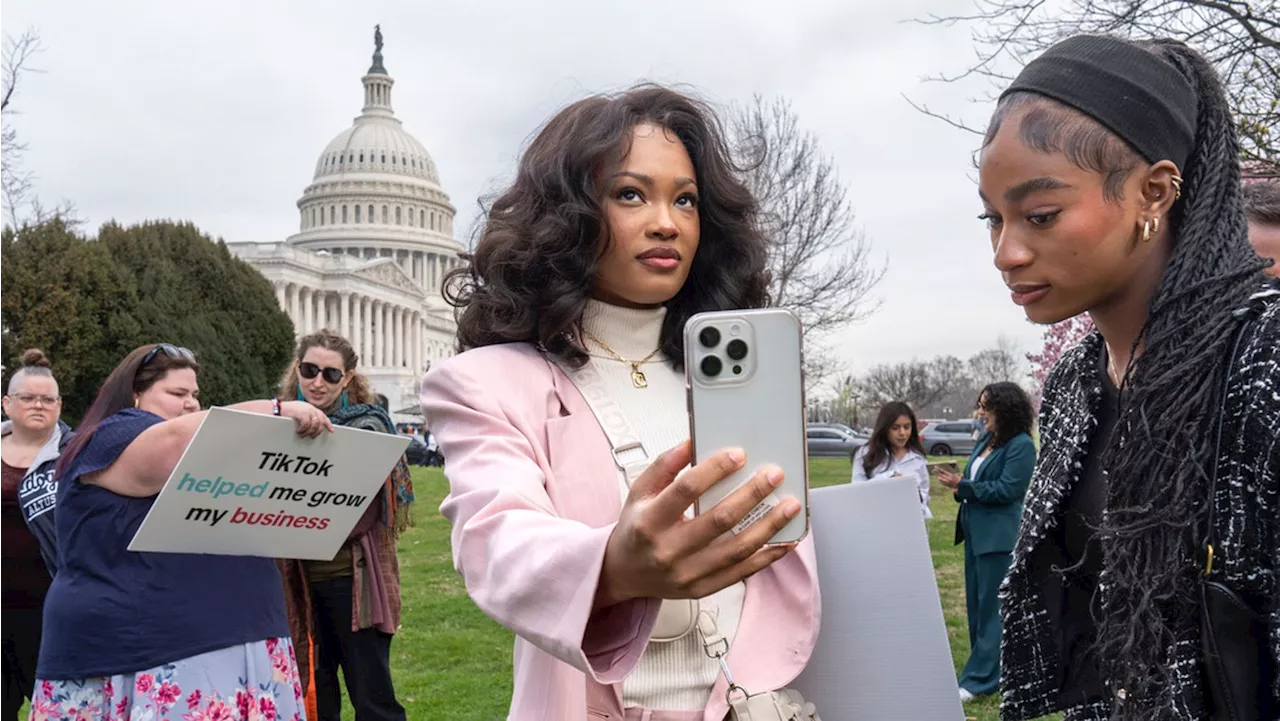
(332,376)
(172,351)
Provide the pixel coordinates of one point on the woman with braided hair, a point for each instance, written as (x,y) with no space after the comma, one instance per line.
(1111,185)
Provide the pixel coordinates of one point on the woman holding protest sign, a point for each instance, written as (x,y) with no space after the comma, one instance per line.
(626,217)
(34,437)
(155,635)
(1145,581)
(347,609)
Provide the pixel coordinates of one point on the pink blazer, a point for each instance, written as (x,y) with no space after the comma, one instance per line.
(533,498)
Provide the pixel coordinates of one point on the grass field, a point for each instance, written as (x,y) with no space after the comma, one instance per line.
(451,662)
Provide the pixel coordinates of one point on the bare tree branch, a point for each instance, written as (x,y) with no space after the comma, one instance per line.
(15,179)
(940,116)
(1241,38)
(820,262)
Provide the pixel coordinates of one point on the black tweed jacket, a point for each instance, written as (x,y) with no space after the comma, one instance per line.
(1248,520)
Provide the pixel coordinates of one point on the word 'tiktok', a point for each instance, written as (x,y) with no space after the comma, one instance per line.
(280,462)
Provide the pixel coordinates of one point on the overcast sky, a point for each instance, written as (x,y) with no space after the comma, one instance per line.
(217,115)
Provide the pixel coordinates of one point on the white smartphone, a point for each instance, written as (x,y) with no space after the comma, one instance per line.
(745,383)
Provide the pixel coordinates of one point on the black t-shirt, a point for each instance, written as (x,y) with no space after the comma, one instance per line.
(1081,680)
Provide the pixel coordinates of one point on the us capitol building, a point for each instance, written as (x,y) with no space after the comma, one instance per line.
(375,239)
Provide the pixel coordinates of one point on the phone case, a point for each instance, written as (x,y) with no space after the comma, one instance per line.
(755,402)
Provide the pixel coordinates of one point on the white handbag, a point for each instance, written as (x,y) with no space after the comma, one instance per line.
(678,618)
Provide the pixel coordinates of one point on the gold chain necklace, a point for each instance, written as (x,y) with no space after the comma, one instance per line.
(637,376)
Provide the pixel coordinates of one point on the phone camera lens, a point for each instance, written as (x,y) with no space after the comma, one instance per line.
(711,366)
(709,337)
(737,370)
(737,349)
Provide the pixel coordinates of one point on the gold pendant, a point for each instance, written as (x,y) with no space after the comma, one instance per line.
(637,377)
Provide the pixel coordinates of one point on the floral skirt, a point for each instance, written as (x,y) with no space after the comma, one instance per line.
(251,682)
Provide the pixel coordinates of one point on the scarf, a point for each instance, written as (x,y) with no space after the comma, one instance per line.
(397,492)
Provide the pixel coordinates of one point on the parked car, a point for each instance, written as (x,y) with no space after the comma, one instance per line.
(948,438)
(825,440)
(862,433)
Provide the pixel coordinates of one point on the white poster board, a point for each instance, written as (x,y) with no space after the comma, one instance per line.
(249,485)
(883,651)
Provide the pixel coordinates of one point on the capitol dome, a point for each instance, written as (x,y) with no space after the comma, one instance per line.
(373,250)
(375,181)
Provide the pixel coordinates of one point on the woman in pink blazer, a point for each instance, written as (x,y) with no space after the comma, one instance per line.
(626,217)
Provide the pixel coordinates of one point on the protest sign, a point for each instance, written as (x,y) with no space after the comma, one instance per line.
(249,485)
(883,651)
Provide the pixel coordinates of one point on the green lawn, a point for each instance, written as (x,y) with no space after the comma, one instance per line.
(452,662)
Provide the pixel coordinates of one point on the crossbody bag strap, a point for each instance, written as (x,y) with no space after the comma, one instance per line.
(676,619)
(629,453)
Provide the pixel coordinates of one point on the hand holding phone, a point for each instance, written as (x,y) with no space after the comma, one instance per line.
(743,371)
(656,551)
(948,473)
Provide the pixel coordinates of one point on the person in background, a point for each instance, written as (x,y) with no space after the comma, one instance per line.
(990,493)
(626,217)
(33,438)
(1150,547)
(1262,208)
(433,449)
(348,608)
(163,636)
(894,451)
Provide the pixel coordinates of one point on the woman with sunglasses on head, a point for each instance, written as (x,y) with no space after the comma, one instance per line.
(34,436)
(156,635)
(626,218)
(348,608)
(1146,575)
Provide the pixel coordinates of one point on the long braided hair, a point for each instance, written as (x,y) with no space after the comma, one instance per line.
(1161,452)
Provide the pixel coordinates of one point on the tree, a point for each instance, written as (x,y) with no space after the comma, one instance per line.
(820,262)
(87,302)
(68,297)
(916,383)
(193,291)
(1240,37)
(15,180)
(20,204)
(1058,339)
(844,405)
(993,365)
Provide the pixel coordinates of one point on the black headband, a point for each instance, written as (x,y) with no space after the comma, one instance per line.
(1132,92)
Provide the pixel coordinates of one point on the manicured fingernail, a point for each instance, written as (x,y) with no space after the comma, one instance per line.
(790,508)
(775,476)
(737,455)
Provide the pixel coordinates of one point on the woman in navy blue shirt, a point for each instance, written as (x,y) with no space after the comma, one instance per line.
(156,635)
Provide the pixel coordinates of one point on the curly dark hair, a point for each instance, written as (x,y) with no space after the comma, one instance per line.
(1012,408)
(1162,447)
(535,262)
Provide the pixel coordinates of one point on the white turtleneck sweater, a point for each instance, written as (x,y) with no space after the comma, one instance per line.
(676,675)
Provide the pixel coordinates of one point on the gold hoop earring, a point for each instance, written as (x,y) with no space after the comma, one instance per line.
(135,402)
(1155,224)
(1146,231)
(1177,186)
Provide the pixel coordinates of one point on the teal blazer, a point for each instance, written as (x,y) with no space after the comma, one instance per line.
(991,503)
